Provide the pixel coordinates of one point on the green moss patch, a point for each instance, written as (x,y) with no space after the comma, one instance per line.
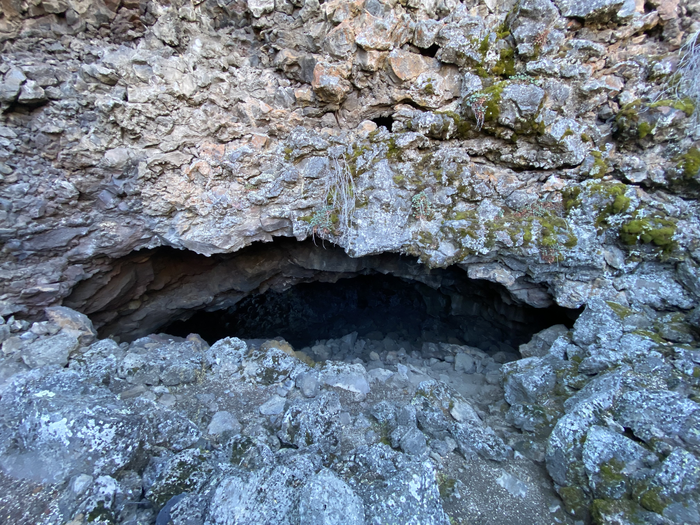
(600,167)
(649,230)
(690,163)
(644,129)
(617,201)
(575,501)
(505,66)
(685,105)
(621,311)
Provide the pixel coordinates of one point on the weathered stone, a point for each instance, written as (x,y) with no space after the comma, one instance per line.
(55,6)
(527,380)
(268,496)
(375,33)
(308,383)
(31,93)
(273,406)
(53,350)
(411,495)
(329,85)
(260,7)
(313,422)
(223,422)
(589,9)
(542,341)
(408,66)
(10,87)
(172,476)
(605,456)
(341,41)
(329,500)
(464,363)
(346,376)
(74,427)
(73,322)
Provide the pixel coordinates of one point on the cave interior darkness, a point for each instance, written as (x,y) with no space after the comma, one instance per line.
(461,311)
(304,293)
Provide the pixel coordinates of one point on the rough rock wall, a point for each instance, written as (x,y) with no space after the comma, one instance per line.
(525,143)
(537,144)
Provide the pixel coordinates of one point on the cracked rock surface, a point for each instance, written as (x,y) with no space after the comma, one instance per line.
(550,147)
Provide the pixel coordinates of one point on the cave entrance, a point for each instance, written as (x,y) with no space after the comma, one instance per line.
(386,121)
(377,306)
(305,293)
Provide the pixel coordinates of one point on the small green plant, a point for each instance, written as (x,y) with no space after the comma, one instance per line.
(421,206)
(521,77)
(446,485)
(540,40)
(321,222)
(689,70)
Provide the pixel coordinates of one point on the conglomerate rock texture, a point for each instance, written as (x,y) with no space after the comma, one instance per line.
(536,144)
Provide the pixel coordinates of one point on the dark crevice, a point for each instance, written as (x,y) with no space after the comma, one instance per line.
(386,121)
(430,51)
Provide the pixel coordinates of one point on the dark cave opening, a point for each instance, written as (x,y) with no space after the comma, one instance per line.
(430,51)
(387,121)
(306,293)
(377,306)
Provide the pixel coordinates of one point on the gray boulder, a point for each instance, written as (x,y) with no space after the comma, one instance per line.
(223,422)
(53,350)
(433,401)
(589,9)
(606,455)
(226,355)
(328,500)
(267,495)
(313,422)
(350,377)
(527,380)
(168,477)
(31,93)
(656,416)
(542,341)
(72,322)
(10,87)
(411,497)
(55,425)
(308,383)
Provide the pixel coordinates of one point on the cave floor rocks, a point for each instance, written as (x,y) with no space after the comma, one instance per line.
(170,430)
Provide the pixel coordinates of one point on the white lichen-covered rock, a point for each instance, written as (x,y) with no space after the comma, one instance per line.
(72,427)
(53,350)
(329,500)
(350,377)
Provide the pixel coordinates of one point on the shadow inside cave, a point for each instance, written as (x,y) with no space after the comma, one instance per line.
(306,293)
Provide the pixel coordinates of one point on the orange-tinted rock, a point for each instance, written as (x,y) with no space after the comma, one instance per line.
(341,41)
(408,66)
(375,33)
(329,84)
